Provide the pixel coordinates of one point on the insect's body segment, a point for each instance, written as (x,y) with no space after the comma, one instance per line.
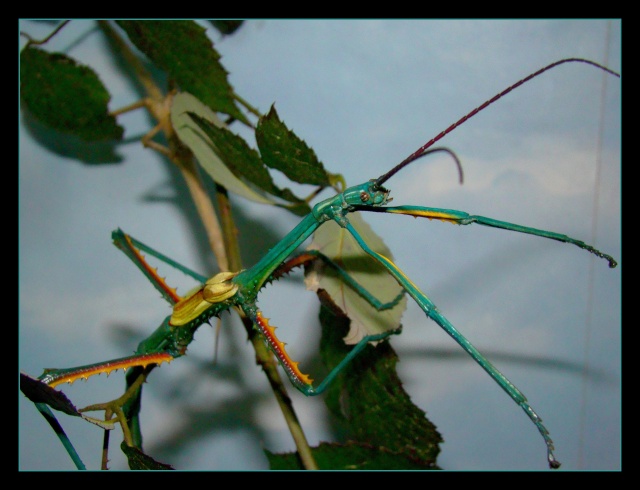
(240,289)
(226,290)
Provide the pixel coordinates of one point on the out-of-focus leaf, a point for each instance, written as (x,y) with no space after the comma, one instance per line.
(242,160)
(225,156)
(226,26)
(281,149)
(141,461)
(183,50)
(194,137)
(66,96)
(337,243)
(39,392)
(349,456)
(369,401)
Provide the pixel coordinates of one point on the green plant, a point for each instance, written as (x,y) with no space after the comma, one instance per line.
(50,81)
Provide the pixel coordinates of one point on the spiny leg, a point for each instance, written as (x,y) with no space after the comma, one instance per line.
(127,406)
(432,312)
(159,341)
(302,381)
(462,218)
(124,409)
(151,352)
(133,249)
(55,377)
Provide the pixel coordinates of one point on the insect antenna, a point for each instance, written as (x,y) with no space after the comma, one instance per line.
(380,180)
(422,151)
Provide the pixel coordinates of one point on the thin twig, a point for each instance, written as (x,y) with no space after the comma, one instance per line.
(32,41)
(264,357)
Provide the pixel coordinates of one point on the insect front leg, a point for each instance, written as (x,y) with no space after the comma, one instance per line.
(462,218)
(432,312)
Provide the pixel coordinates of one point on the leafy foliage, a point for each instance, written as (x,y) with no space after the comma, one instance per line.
(385,430)
(183,50)
(282,150)
(243,160)
(368,399)
(66,96)
(349,456)
(183,109)
(140,461)
(226,26)
(39,392)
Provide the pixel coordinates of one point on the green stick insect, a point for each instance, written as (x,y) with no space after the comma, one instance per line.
(240,289)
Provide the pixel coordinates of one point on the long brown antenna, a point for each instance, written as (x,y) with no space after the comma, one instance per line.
(423,149)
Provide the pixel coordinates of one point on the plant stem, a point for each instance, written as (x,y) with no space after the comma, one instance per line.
(46,39)
(159,105)
(264,356)
(225,247)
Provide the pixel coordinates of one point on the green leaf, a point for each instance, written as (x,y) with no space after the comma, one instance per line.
(66,96)
(281,149)
(140,461)
(385,430)
(349,456)
(183,50)
(369,401)
(225,156)
(241,159)
(337,243)
(194,137)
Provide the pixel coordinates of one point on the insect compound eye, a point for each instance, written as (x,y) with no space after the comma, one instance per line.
(364,196)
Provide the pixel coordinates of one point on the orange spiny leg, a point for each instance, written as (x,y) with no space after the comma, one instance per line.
(296,261)
(302,381)
(134,249)
(299,380)
(54,377)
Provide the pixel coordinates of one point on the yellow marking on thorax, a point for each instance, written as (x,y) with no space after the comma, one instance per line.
(189,308)
(215,290)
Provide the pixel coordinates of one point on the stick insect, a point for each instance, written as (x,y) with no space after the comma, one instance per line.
(240,289)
